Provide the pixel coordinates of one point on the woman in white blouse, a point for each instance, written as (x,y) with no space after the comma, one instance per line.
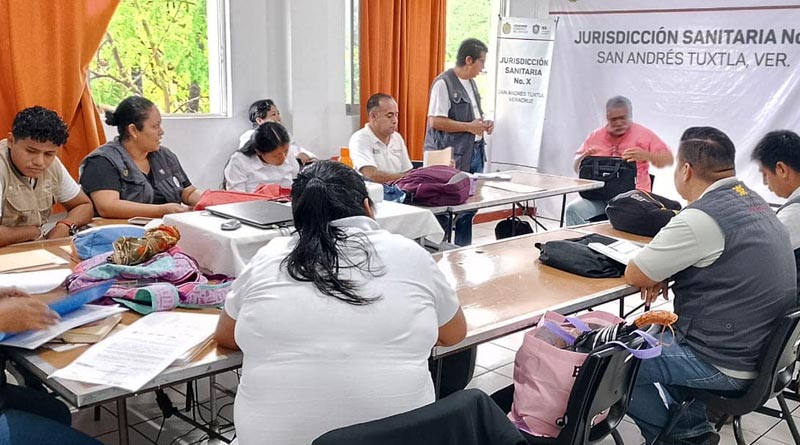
(337,322)
(267,158)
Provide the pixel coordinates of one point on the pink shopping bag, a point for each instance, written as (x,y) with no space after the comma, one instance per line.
(545,371)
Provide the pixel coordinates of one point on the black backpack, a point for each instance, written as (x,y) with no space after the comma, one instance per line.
(619,176)
(512,226)
(573,255)
(642,213)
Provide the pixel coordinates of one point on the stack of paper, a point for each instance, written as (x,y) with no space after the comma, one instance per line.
(140,352)
(514,187)
(437,157)
(37,282)
(86,314)
(621,251)
(30,260)
(92,332)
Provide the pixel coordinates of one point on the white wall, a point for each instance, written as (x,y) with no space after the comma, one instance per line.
(291,51)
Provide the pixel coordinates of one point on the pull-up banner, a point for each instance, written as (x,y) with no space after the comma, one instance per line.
(524,58)
(730,64)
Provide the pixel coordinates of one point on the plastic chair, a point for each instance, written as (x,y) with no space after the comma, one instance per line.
(467,417)
(605,382)
(774,375)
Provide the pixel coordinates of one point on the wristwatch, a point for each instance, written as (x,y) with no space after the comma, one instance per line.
(73,229)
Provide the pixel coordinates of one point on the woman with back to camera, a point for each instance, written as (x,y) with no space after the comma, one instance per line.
(134,175)
(267,158)
(335,323)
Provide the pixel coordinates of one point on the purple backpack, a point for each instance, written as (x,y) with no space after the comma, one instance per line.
(437,185)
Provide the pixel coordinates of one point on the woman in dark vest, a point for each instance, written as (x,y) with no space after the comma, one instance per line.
(134,175)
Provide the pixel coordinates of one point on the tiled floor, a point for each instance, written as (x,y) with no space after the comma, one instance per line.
(494,370)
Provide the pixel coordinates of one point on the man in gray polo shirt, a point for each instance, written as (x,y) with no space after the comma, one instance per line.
(734,275)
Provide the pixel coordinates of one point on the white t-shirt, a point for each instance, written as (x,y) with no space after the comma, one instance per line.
(244,173)
(439,105)
(313,363)
(790,217)
(67,190)
(367,150)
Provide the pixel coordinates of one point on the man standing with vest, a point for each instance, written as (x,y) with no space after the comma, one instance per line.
(32,179)
(455,119)
(778,158)
(734,276)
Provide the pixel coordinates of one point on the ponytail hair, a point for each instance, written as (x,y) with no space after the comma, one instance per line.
(322,193)
(132,110)
(259,110)
(266,139)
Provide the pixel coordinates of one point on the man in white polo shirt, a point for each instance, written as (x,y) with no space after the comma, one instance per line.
(378,151)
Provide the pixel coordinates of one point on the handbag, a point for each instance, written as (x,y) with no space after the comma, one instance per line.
(573,255)
(545,369)
(512,226)
(640,212)
(618,175)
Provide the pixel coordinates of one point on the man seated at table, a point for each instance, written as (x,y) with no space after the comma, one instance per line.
(624,138)
(32,179)
(379,152)
(778,158)
(28,416)
(734,276)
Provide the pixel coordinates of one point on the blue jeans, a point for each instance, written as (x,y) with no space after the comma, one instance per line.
(677,366)
(463,223)
(32,417)
(581,210)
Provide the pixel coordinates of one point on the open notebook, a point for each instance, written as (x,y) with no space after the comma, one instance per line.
(621,251)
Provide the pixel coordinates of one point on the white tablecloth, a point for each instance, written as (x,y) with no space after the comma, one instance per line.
(227,252)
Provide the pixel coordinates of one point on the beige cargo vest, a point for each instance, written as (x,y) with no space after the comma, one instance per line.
(23,204)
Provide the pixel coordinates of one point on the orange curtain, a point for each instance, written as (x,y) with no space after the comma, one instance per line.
(45,50)
(401,51)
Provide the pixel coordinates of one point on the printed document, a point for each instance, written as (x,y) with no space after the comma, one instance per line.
(140,352)
(86,314)
(621,251)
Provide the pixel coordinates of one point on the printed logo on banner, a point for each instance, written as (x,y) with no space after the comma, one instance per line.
(535,29)
(506,28)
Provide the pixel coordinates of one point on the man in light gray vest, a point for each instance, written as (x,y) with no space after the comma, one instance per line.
(734,275)
(455,119)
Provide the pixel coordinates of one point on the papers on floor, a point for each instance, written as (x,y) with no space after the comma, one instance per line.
(82,316)
(37,282)
(29,260)
(621,251)
(137,354)
(513,187)
(437,157)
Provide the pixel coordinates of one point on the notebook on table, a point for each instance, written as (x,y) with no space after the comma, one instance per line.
(261,213)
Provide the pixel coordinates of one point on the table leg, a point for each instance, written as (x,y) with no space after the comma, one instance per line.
(122,421)
(451,217)
(212,400)
(563,209)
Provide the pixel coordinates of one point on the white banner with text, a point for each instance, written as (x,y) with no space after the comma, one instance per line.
(524,58)
(728,64)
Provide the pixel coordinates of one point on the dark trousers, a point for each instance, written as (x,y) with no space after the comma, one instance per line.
(32,417)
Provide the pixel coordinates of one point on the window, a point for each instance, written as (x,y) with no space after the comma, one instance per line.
(352,77)
(170,51)
(469,19)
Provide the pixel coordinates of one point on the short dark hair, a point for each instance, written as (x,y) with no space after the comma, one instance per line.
(778,146)
(374,101)
(132,110)
(41,125)
(266,139)
(473,48)
(259,110)
(322,193)
(709,151)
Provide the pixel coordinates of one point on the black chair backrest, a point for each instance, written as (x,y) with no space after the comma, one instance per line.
(605,382)
(775,368)
(466,417)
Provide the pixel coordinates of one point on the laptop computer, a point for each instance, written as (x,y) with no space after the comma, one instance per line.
(261,213)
